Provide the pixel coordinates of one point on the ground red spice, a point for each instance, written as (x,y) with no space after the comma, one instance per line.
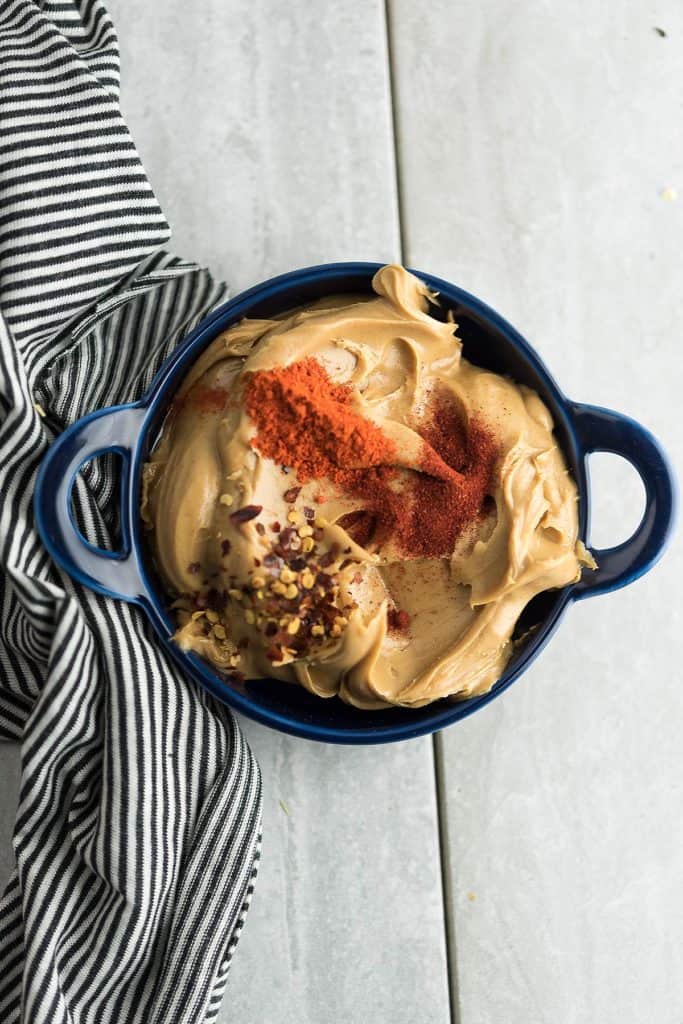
(443,508)
(306,421)
(203,399)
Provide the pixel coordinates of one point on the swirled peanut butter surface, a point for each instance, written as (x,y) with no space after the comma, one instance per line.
(340,500)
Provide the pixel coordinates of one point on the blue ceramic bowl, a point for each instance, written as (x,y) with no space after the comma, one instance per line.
(131,430)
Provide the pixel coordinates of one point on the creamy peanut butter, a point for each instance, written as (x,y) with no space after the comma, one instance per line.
(269,573)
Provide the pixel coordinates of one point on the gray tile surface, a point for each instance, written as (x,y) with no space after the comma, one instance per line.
(265,129)
(535,142)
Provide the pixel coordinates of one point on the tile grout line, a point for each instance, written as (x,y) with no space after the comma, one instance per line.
(393,106)
(446,880)
(437,759)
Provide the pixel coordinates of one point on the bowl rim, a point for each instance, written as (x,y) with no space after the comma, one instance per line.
(165,383)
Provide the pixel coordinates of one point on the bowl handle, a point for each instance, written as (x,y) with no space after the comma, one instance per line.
(114,573)
(601,430)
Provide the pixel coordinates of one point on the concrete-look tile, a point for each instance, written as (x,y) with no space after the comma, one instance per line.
(265,129)
(346,923)
(536,146)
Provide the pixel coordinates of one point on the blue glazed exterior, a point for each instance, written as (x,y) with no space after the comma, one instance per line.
(132,430)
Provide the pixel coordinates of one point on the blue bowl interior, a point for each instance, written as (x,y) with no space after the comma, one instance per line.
(488,341)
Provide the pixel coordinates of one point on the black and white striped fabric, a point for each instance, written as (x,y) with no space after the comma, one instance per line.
(138,828)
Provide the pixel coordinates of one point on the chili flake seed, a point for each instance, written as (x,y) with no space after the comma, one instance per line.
(279,588)
(219,631)
(250,617)
(293,516)
(307,544)
(287,576)
(307,579)
(237,594)
(211,615)
(226,499)
(292,591)
(235,660)
(397,619)
(317,630)
(292,494)
(294,625)
(243,515)
(258,581)
(305,531)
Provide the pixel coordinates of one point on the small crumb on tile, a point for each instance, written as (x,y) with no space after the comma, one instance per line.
(669,194)
(39,409)
(471,896)
(660,31)
(284,807)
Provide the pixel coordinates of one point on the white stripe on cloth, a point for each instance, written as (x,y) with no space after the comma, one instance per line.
(138,828)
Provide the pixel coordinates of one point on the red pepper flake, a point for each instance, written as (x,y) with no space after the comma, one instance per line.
(292,494)
(243,515)
(274,653)
(257,563)
(398,620)
(319,498)
(194,567)
(309,512)
(275,527)
(260,529)
(225,547)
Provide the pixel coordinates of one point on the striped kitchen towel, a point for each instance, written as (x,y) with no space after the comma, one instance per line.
(137,831)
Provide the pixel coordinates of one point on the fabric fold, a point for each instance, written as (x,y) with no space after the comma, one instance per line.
(138,827)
